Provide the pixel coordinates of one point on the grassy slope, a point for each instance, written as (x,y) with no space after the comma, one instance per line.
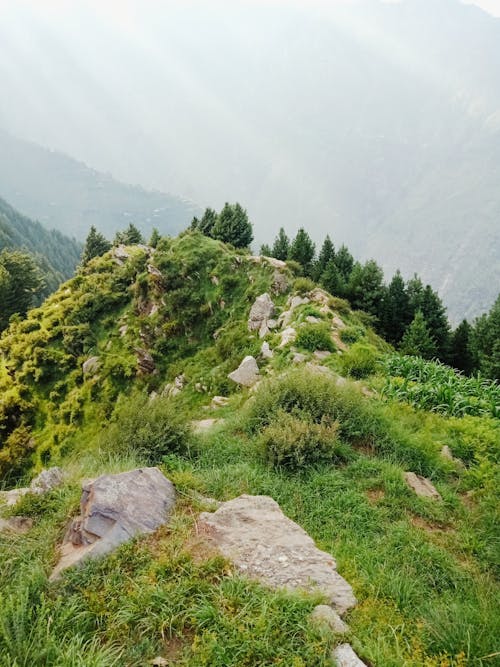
(424,573)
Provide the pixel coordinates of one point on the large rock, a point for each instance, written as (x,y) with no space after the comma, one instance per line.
(247,372)
(344,656)
(422,486)
(265,545)
(261,311)
(113,510)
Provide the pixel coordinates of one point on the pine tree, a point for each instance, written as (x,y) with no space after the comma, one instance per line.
(462,355)
(195,224)
(20,283)
(132,235)
(327,254)
(417,339)
(281,246)
(207,223)
(435,315)
(265,250)
(486,342)
(345,262)
(395,314)
(95,246)
(332,280)
(365,289)
(233,226)
(302,251)
(154,238)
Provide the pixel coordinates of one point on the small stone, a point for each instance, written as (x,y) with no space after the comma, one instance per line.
(344,656)
(296,301)
(152,270)
(272,324)
(91,365)
(299,358)
(337,323)
(422,486)
(319,296)
(159,662)
(276,263)
(214,280)
(16,524)
(323,614)
(310,319)
(204,425)
(46,481)
(123,330)
(288,336)
(266,351)
(10,498)
(322,354)
(220,401)
(247,372)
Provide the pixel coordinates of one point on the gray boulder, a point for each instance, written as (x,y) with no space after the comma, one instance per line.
(288,335)
(247,372)
(261,311)
(280,283)
(344,656)
(266,351)
(265,545)
(422,486)
(113,510)
(46,481)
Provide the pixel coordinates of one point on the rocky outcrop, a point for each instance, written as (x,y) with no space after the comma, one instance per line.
(265,545)
(247,373)
(145,362)
(113,510)
(261,311)
(91,366)
(344,656)
(422,486)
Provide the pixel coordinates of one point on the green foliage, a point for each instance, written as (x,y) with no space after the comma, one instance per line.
(95,246)
(148,429)
(352,334)
(325,257)
(20,283)
(292,443)
(463,357)
(435,387)
(154,239)
(360,360)
(395,312)
(365,289)
(302,251)
(487,342)
(418,340)
(314,337)
(281,246)
(130,236)
(233,226)
(303,285)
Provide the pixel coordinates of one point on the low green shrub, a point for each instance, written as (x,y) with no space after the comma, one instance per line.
(352,334)
(149,429)
(315,337)
(303,285)
(360,361)
(291,442)
(342,306)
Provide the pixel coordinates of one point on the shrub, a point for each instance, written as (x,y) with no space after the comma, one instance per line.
(340,305)
(303,285)
(351,335)
(292,443)
(314,337)
(360,361)
(148,429)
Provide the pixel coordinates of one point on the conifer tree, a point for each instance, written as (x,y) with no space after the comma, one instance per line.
(345,262)
(487,342)
(281,246)
(365,289)
(265,250)
(132,235)
(302,251)
(95,245)
(417,340)
(195,224)
(395,313)
(327,254)
(20,283)
(207,223)
(435,315)
(462,356)
(154,238)
(332,280)
(233,226)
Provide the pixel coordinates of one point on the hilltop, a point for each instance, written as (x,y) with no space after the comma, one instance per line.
(237,378)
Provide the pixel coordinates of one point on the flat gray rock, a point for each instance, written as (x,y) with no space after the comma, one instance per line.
(265,545)
(247,373)
(422,486)
(344,656)
(113,510)
(328,617)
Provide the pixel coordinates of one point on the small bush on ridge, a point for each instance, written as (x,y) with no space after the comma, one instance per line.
(314,337)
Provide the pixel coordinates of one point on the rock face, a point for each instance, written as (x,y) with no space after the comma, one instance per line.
(344,656)
(113,510)
(91,365)
(422,486)
(247,373)
(265,545)
(261,311)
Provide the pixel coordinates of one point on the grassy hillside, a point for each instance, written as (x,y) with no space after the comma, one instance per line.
(321,434)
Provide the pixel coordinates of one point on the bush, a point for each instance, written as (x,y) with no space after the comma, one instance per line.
(351,335)
(342,306)
(314,337)
(148,429)
(303,285)
(360,361)
(292,443)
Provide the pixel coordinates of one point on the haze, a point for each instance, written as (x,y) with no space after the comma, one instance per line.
(363,120)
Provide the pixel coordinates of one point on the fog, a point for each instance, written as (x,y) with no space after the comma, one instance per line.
(348,118)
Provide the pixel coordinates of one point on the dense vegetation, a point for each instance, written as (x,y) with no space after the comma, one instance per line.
(315,435)
(55,255)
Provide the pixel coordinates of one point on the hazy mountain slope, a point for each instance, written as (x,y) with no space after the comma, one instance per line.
(375,122)
(69,196)
(56,254)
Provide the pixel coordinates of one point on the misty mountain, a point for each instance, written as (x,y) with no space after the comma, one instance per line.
(378,123)
(69,196)
(55,254)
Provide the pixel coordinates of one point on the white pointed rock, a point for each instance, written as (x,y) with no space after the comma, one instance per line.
(247,372)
